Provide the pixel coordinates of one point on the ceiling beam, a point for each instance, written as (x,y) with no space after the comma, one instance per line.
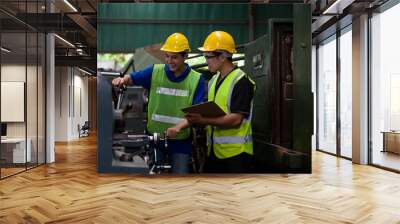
(337,7)
(81,61)
(86,26)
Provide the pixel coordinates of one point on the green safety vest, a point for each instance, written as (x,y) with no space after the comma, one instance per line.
(167,99)
(229,142)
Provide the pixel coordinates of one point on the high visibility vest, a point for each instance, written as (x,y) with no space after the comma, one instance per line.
(229,142)
(167,99)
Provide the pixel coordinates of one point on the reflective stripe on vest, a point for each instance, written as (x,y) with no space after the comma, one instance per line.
(211,81)
(166,119)
(172,92)
(228,103)
(233,139)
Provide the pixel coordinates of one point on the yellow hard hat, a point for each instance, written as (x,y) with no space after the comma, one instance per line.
(219,40)
(176,42)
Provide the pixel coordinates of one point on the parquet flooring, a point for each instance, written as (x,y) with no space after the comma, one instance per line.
(71,191)
(10,171)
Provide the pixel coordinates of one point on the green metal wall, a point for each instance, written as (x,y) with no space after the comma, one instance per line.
(125,27)
(303,109)
(265,13)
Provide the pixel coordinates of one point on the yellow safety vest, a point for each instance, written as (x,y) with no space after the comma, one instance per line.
(229,142)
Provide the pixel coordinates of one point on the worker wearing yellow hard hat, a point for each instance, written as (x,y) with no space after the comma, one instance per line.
(230,144)
(219,40)
(176,43)
(172,86)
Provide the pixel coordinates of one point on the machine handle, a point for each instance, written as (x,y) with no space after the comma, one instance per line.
(121,91)
(165,139)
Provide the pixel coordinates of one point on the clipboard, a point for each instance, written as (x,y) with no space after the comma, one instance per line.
(206,109)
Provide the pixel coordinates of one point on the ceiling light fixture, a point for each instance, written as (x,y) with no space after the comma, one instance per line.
(84,71)
(79,51)
(5,50)
(70,5)
(337,7)
(65,41)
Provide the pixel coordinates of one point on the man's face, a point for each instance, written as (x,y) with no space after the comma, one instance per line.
(174,60)
(213,60)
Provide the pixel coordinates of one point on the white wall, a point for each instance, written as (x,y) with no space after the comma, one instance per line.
(14,73)
(71,94)
(61,103)
(17,73)
(33,126)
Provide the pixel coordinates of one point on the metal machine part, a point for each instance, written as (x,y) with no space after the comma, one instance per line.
(127,142)
(122,136)
(145,147)
(199,149)
(121,91)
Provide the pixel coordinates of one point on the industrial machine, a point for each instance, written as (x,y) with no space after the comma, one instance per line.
(131,146)
(131,143)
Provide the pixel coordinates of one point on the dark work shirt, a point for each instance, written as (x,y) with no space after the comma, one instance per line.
(242,95)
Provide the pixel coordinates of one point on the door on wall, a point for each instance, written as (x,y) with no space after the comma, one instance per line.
(282,84)
(269,62)
(271,69)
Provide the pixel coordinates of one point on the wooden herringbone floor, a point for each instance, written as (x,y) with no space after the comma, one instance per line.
(71,191)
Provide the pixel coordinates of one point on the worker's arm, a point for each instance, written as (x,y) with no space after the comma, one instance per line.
(139,78)
(173,131)
(231,120)
(126,80)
